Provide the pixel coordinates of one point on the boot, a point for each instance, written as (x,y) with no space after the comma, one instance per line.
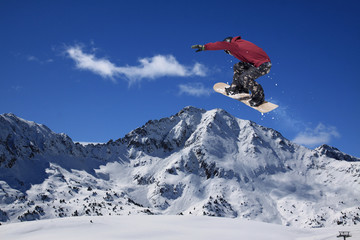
(256,101)
(233,90)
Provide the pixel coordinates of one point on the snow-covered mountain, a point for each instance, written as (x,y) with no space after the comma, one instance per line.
(195,162)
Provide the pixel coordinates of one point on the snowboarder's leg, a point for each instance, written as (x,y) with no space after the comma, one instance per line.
(247,80)
(236,86)
(265,68)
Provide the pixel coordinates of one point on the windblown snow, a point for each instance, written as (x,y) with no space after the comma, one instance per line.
(196,162)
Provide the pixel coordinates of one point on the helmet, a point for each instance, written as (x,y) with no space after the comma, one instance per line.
(228,39)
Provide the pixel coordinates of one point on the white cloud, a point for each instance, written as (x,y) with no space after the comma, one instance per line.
(84,61)
(151,68)
(199,70)
(321,134)
(31,58)
(194,89)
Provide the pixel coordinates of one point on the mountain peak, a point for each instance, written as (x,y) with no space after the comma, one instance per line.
(191,110)
(10,119)
(332,152)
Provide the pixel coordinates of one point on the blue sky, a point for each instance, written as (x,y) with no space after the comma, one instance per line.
(98,69)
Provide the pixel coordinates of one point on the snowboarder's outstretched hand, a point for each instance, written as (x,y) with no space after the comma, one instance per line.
(198,47)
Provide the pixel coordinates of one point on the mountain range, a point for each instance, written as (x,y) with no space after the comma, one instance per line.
(195,162)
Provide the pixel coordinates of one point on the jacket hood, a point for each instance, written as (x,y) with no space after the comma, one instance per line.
(234,39)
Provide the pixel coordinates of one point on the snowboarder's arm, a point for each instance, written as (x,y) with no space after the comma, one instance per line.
(218,46)
(214,46)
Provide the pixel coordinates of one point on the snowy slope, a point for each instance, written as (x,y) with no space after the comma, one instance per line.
(195,162)
(163,228)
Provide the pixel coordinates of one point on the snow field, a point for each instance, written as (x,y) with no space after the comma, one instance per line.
(163,228)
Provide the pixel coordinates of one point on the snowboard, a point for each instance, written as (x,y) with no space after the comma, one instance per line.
(244,98)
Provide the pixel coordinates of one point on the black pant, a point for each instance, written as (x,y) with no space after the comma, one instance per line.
(245,75)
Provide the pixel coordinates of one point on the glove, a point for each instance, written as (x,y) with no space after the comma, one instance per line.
(198,47)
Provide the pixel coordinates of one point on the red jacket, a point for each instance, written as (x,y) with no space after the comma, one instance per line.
(241,49)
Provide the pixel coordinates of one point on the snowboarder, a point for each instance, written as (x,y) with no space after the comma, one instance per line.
(254,64)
